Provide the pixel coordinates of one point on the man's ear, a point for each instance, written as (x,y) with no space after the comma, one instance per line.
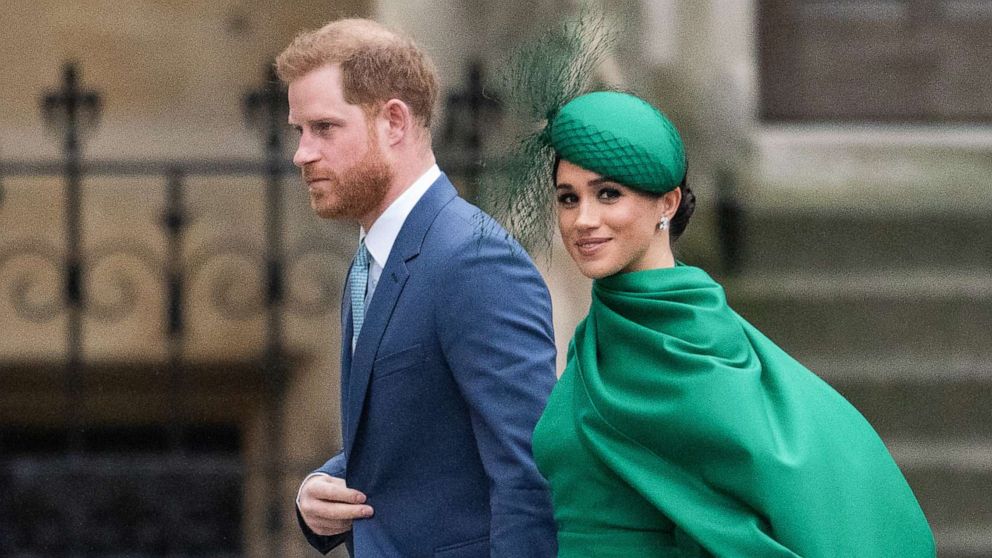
(398,120)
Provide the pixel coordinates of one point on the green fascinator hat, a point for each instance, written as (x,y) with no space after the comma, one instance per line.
(547,88)
(621,137)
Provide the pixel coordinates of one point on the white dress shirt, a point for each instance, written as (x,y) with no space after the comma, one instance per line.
(380,238)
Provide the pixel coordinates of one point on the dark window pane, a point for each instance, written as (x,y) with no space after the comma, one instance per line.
(127,495)
(883,60)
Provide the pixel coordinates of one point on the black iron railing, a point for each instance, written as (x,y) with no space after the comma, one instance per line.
(72,111)
(125,500)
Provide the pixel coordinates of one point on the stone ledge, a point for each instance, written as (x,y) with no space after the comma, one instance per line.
(911,169)
(875,370)
(950,285)
(958,455)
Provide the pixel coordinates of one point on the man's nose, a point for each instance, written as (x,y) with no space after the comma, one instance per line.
(306,152)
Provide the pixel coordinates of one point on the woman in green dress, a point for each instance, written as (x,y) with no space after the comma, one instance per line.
(677,428)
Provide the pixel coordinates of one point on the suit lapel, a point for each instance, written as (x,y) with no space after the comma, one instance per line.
(387,292)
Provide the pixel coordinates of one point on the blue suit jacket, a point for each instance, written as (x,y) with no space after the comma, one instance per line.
(451,371)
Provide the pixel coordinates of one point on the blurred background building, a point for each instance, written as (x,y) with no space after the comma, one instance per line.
(168,303)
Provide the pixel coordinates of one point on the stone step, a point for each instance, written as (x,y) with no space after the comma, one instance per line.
(916,314)
(925,398)
(834,241)
(952,479)
(964,541)
(896,313)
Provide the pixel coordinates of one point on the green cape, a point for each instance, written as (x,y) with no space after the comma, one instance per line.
(674,405)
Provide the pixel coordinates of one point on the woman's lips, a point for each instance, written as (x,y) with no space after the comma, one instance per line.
(590,246)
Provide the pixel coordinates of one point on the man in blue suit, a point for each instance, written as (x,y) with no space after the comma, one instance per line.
(447,351)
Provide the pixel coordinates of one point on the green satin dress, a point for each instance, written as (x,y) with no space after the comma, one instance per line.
(678,429)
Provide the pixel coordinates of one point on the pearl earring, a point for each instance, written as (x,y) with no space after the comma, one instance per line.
(663,224)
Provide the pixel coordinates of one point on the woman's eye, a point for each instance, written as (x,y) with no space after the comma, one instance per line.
(567,199)
(609,194)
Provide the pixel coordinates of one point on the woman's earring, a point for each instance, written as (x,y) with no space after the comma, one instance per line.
(663,224)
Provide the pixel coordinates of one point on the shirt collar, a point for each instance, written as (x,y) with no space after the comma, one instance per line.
(382,235)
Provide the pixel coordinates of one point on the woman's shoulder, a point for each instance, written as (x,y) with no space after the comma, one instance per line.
(674,318)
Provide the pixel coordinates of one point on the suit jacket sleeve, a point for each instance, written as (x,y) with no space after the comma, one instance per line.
(334,467)
(494,322)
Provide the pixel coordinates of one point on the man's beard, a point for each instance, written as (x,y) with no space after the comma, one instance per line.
(356,192)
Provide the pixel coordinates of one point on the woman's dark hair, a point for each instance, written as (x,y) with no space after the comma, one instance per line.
(686,206)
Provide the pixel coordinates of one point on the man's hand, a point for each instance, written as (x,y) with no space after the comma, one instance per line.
(328,506)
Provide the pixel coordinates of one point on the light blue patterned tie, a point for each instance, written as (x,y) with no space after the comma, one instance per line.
(358,279)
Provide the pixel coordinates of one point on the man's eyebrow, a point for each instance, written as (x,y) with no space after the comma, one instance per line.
(319,120)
